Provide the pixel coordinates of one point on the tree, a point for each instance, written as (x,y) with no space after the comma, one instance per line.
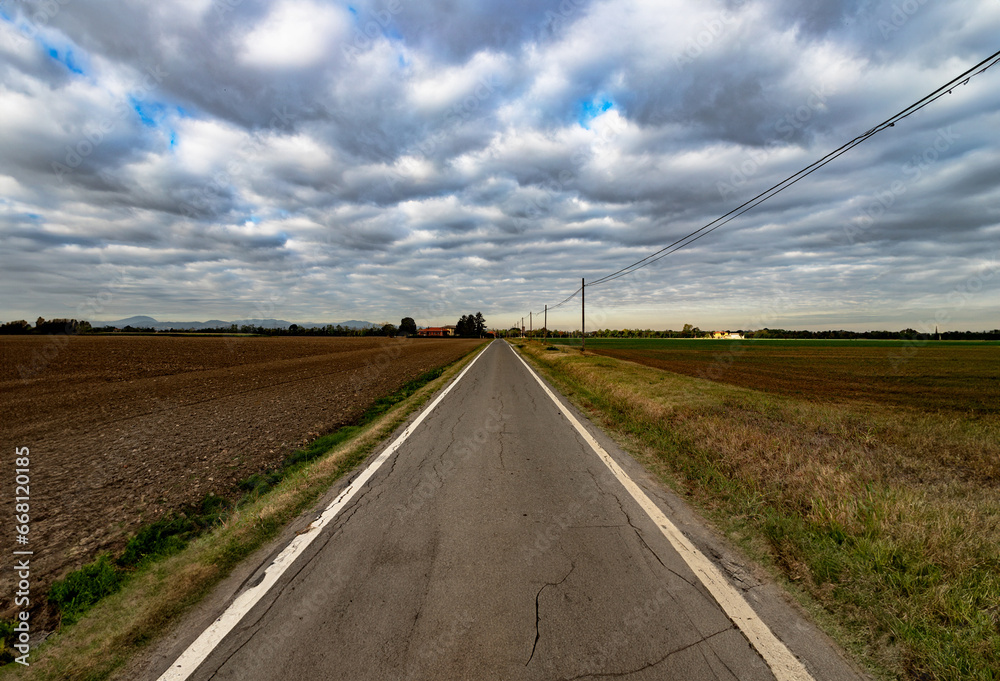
(60,326)
(466,326)
(389,330)
(407,325)
(471,325)
(19,327)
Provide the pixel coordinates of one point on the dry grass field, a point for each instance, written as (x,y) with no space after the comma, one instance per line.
(123,430)
(866,474)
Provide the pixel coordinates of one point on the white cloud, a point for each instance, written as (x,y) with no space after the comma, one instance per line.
(296,33)
(433,88)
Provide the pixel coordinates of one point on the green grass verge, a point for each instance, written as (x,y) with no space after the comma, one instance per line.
(112,607)
(884,522)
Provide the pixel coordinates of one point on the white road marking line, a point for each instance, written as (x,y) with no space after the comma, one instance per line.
(784,665)
(200,649)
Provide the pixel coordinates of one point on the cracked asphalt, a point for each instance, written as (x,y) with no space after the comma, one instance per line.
(496,545)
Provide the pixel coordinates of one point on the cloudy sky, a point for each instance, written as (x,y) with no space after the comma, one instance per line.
(321,161)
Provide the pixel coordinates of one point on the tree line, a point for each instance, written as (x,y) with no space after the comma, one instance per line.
(690,331)
(474,326)
(73,326)
(469,325)
(788,334)
(905,334)
(45,326)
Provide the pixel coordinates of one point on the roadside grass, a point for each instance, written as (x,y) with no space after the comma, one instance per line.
(885,521)
(112,607)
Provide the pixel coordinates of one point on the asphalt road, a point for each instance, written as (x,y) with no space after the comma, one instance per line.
(495,544)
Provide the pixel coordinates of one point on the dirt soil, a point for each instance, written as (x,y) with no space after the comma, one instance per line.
(122,429)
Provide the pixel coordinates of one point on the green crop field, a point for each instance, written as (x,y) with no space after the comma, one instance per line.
(934,375)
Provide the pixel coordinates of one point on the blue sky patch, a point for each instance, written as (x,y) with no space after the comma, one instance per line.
(150,113)
(65,58)
(589,110)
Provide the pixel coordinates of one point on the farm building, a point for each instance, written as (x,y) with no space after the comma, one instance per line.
(437,331)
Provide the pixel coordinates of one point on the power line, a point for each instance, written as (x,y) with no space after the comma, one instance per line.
(565,300)
(690,238)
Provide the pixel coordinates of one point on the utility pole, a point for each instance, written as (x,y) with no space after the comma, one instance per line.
(583,315)
(546,331)
(530,323)
(522,327)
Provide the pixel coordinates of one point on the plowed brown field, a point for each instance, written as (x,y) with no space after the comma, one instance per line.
(123,429)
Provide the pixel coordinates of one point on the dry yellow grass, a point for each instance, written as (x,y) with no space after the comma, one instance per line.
(888,517)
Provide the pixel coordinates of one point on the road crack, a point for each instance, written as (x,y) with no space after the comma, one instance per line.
(642,540)
(538,617)
(648,665)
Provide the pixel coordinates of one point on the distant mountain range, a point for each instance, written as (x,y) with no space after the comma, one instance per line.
(144,322)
